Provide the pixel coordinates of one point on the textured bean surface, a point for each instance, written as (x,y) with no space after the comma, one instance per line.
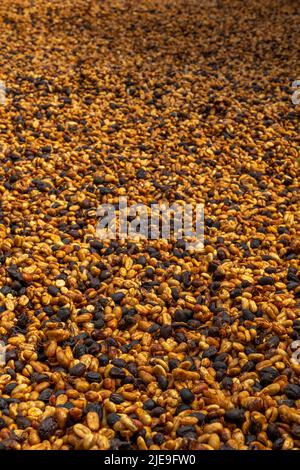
(141,345)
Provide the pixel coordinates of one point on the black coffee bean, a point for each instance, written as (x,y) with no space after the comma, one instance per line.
(211,351)
(277,445)
(11,355)
(141,174)
(183,315)
(112,419)
(79,350)
(22,422)
(141,260)
(296,430)
(39,378)
(182,407)
(53,290)
(273,432)
(186,431)
(45,395)
(266,281)
(132,368)
(166,331)
(119,362)
(64,314)
(118,297)
(93,377)
(78,370)
(162,382)
(104,275)
(117,373)
(47,428)
(235,415)
(187,396)
(218,276)
(116,398)
(9,388)
(173,363)
(3,403)
(255,427)
(157,412)
(236,292)
(158,439)
(273,342)
(201,417)
(149,404)
(248,366)
(186,278)
(255,242)
(2,424)
(96,407)
(292,391)
(103,360)
(268,375)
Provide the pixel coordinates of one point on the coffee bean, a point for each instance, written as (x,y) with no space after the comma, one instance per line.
(266,281)
(292,391)
(47,428)
(235,415)
(78,370)
(186,395)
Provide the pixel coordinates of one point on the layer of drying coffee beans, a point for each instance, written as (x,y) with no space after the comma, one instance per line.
(142,344)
